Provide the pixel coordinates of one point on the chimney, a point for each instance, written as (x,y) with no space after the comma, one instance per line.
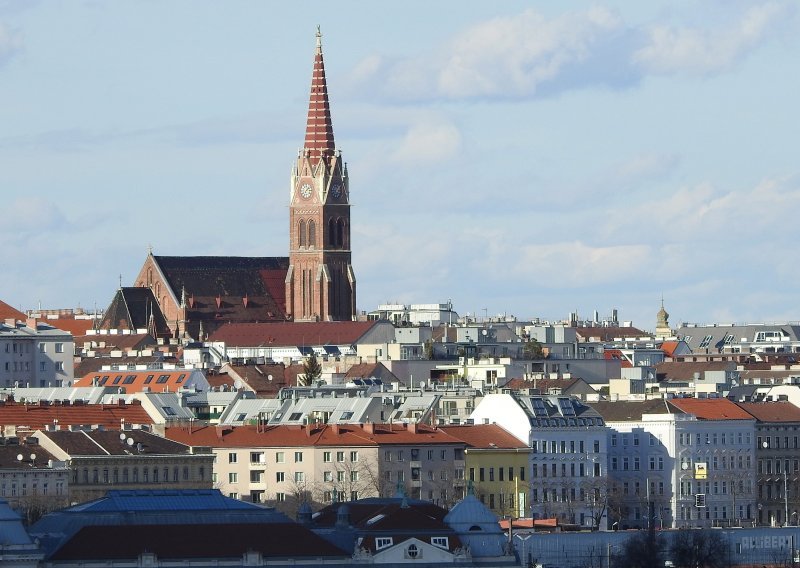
(369,428)
(412,427)
(335,429)
(31,323)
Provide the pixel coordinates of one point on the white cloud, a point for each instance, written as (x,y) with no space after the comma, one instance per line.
(577,264)
(706,51)
(32,214)
(428,142)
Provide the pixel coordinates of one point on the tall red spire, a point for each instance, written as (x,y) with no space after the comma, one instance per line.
(319,127)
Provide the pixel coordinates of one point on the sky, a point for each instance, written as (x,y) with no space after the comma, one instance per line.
(521,158)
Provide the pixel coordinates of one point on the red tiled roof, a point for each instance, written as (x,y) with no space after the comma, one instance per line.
(319,127)
(156,380)
(669,347)
(778,411)
(711,408)
(7,312)
(77,327)
(291,334)
(38,416)
(291,435)
(485,436)
(616,355)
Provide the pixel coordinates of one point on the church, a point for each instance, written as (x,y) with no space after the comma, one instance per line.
(193,295)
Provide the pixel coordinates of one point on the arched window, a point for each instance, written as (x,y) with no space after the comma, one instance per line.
(340,233)
(125,475)
(312,234)
(332,232)
(302,232)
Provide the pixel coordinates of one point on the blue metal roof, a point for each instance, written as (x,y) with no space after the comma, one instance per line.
(165,500)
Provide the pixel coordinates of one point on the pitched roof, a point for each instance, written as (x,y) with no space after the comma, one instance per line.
(77,327)
(608,333)
(201,541)
(685,370)
(7,312)
(299,436)
(777,411)
(9,454)
(375,370)
(220,289)
(265,380)
(137,381)
(135,308)
(485,436)
(627,411)
(41,415)
(291,334)
(711,408)
(110,442)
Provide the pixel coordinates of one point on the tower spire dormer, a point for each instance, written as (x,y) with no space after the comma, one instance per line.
(319,127)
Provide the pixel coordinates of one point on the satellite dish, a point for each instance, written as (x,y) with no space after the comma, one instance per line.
(122,436)
(20,457)
(33,457)
(269,377)
(422,384)
(129,441)
(237,384)
(684,465)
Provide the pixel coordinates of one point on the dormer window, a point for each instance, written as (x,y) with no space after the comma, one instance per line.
(383,542)
(440,541)
(412,551)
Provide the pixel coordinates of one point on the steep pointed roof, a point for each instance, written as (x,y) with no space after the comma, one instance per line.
(135,308)
(319,127)
(8,312)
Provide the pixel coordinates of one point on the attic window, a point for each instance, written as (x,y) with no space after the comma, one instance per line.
(440,541)
(383,542)
(295,416)
(102,381)
(241,416)
(346,415)
(412,551)
(169,411)
(129,379)
(148,379)
(181,377)
(116,380)
(162,379)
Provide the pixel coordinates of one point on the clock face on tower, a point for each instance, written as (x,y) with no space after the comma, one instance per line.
(305,190)
(336,190)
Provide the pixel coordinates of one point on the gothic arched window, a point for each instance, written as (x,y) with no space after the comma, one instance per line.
(302,232)
(312,234)
(331,233)
(340,233)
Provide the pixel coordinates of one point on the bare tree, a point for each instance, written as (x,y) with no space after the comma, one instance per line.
(699,549)
(645,549)
(597,494)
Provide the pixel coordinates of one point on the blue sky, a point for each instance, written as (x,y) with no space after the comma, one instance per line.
(528,158)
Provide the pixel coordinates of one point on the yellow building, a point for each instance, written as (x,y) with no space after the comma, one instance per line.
(496,463)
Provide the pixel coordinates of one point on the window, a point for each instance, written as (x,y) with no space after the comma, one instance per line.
(399,455)
(233,477)
(232,458)
(59,365)
(340,457)
(295,416)
(257,457)
(412,551)
(59,347)
(148,379)
(280,497)
(353,456)
(353,476)
(439,541)
(129,379)
(169,411)
(255,476)
(328,476)
(383,542)
(387,455)
(279,477)
(298,457)
(299,477)
(280,457)
(340,476)
(42,348)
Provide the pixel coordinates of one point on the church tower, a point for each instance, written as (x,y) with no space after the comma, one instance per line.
(320,283)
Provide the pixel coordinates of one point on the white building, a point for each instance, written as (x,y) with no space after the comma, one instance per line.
(35,354)
(568,456)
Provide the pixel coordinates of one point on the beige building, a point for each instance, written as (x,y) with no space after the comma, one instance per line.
(100,460)
(325,463)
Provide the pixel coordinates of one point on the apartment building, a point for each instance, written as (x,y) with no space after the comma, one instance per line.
(34,354)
